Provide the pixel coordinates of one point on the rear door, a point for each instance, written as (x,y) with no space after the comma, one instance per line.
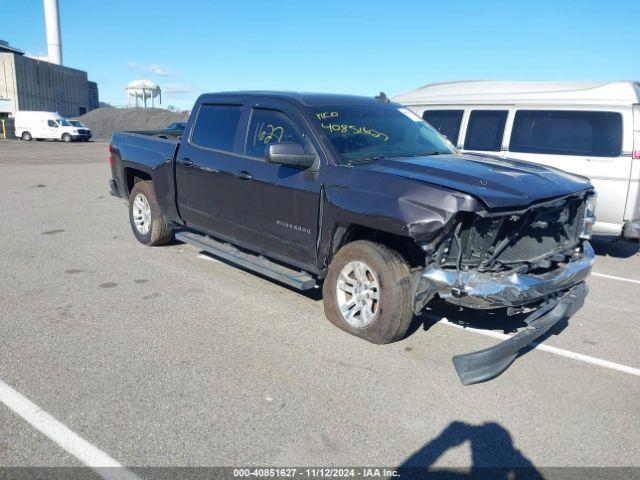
(206,167)
(279,205)
(586,142)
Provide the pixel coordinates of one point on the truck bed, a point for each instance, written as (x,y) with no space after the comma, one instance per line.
(148,152)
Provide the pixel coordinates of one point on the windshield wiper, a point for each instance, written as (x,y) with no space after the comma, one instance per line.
(425,154)
(357,161)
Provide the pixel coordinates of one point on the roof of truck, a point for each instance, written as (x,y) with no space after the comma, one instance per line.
(306,98)
(501,92)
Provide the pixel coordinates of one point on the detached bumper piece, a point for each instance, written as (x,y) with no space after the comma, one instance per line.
(486,364)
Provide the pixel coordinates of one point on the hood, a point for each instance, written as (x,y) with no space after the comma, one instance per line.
(499,183)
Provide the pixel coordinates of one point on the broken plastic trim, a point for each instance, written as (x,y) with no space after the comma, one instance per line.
(486,364)
(487,291)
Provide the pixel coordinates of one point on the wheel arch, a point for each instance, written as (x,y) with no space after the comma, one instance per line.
(134,175)
(404,245)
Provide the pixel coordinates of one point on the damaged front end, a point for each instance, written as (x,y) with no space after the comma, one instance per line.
(516,260)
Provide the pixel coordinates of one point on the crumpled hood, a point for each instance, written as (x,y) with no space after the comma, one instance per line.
(499,183)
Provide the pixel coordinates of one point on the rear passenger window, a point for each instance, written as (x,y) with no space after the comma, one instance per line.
(267,127)
(447,122)
(561,132)
(216,126)
(485,130)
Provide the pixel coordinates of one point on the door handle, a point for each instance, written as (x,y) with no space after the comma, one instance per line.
(186,162)
(244,175)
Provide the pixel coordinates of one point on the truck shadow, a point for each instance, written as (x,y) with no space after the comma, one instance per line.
(493,455)
(614,247)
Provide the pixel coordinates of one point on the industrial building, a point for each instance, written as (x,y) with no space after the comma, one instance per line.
(44,84)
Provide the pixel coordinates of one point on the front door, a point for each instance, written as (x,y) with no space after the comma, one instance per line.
(51,129)
(279,205)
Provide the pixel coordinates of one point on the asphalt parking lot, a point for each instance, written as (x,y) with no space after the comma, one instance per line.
(167,357)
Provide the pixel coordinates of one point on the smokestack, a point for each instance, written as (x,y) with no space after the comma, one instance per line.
(52,19)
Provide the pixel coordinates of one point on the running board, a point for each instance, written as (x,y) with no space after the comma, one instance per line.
(256,263)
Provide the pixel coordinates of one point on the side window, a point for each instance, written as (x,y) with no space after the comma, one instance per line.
(485,130)
(560,132)
(51,123)
(216,126)
(447,122)
(267,127)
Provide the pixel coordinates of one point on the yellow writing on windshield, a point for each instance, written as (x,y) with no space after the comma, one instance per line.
(354,130)
(325,115)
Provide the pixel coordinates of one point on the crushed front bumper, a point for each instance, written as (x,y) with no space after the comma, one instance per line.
(486,364)
(487,291)
(554,295)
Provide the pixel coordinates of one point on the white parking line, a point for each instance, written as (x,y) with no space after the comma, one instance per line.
(613,277)
(611,307)
(555,350)
(88,454)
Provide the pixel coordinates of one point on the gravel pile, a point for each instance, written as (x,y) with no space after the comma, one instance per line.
(104,121)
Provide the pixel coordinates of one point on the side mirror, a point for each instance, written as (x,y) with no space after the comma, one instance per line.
(290,154)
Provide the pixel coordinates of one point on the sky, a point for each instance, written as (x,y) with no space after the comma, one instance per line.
(348,46)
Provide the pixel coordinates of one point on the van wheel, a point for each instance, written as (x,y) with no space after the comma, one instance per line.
(147,221)
(367,292)
(26,136)
(66,137)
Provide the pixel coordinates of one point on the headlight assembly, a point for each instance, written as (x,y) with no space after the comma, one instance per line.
(589,216)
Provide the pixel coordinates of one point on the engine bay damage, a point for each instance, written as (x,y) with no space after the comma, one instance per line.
(535,260)
(508,259)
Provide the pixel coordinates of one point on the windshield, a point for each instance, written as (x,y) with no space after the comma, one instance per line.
(64,123)
(363,133)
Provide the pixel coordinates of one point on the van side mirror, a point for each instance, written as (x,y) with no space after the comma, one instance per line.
(290,154)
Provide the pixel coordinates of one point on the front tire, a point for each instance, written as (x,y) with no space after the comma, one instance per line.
(66,137)
(367,292)
(147,221)
(26,136)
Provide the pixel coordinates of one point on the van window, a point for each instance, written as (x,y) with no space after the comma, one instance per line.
(485,130)
(561,132)
(51,123)
(267,127)
(216,126)
(447,122)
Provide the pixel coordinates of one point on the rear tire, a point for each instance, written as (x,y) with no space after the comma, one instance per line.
(147,221)
(66,137)
(382,291)
(26,136)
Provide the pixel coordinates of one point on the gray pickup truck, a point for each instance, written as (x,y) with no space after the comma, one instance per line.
(362,197)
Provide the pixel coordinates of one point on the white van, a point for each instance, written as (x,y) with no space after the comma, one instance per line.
(47,126)
(592,129)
